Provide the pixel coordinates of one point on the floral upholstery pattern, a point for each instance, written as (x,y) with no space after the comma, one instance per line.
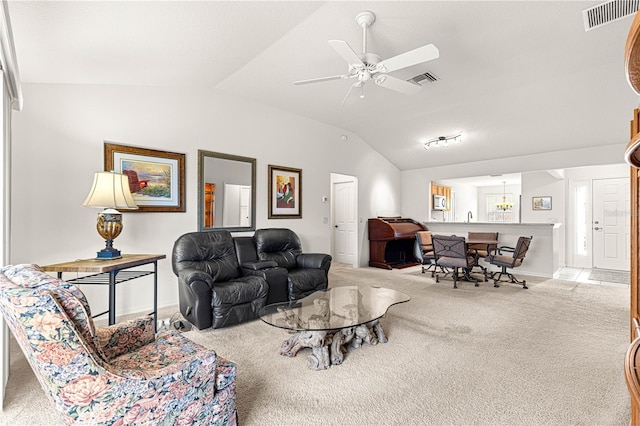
(117,375)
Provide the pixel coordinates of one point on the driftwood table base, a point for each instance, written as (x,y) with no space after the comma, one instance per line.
(329,348)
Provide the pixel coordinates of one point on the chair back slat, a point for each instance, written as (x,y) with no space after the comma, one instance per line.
(449,246)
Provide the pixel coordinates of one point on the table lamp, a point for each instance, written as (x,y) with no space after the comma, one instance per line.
(110,191)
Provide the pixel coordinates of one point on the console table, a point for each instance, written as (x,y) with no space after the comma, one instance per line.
(112,272)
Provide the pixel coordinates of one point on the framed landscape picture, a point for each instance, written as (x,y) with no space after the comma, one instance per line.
(285,190)
(541,203)
(156,178)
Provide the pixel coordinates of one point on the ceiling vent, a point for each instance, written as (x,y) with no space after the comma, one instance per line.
(427,77)
(607,12)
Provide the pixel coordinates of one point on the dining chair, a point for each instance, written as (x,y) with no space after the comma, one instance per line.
(424,251)
(451,252)
(509,258)
(481,250)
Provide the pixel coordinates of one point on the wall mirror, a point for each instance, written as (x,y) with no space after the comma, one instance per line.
(226,192)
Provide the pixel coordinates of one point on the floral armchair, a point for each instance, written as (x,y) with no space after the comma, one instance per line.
(118,375)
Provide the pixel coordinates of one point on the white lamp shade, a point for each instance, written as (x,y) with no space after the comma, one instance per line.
(110,190)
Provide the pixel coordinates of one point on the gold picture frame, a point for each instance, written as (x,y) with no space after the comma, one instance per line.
(156,178)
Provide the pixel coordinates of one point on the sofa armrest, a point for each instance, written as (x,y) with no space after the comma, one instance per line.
(121,338)
(189,276)
(314,261)
(260,264)
(195,289)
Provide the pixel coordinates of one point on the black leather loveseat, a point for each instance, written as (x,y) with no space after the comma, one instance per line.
(224,280)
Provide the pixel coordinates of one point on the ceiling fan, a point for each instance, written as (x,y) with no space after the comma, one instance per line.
(369,66)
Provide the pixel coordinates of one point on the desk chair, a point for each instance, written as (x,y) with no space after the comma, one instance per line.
(451,252)
(509,257)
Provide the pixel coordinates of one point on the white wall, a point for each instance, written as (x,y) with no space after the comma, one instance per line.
(466,197)
(58,145)
(537,184)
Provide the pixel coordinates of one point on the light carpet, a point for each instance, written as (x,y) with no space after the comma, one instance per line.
(549,355)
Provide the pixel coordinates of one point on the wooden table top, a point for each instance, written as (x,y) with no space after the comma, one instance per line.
(102,265)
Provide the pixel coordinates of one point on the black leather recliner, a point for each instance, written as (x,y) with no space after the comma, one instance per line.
(212,290)
(307,272)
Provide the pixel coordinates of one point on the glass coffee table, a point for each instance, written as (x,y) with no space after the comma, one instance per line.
(328,321)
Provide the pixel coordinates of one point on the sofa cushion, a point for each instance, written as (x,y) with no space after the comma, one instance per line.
(212,252)
(238,300)
(303,282)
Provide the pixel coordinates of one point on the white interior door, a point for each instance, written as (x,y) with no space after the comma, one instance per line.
(345,222)
(611,224)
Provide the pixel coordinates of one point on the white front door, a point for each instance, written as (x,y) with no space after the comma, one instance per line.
(345,222)
(611,223)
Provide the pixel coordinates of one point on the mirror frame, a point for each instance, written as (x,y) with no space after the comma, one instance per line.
(202,154)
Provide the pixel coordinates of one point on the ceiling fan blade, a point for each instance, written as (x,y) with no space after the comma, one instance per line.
(397,84)
(407,59)
(321,79)
(347,53)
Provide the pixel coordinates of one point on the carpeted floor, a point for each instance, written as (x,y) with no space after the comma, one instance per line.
(550,355)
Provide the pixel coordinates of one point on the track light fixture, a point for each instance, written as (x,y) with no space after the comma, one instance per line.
(442,141)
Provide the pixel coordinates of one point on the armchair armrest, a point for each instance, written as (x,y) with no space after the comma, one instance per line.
(497,251)
(314,261)
(121,338)
(171,358)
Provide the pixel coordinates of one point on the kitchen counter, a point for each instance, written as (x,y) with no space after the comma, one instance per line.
(545,255)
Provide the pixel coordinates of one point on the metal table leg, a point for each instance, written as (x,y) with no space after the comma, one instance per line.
(112,297)
(155,296)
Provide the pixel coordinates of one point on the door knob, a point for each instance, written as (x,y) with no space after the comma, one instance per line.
(597,229)
(335,226)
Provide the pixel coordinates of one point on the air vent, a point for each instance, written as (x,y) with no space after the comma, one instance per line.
(427,77)
(610,11)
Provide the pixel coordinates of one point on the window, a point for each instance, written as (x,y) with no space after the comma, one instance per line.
(493,213)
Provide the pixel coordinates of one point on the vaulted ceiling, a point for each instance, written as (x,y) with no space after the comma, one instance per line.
(515,77)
